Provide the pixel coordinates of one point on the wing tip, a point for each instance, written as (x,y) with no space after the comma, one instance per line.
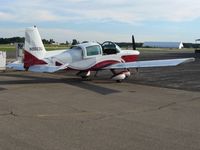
(188,60)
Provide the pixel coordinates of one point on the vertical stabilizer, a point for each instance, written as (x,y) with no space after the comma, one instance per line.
(34,50)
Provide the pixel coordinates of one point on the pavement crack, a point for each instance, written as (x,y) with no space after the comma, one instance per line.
(78,110)
(94,119)
(11,113)
(167,105)
(194,99)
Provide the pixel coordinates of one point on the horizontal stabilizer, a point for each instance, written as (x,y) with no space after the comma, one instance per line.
(16,65)
(151,63)
(36,68)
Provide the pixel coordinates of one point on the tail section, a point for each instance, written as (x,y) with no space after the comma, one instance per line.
(34,50)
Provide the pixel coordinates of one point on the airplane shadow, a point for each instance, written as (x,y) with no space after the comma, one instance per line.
(73,81)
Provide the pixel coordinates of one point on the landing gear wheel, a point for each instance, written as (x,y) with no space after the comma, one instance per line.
(26,68)
(85,78)
(119,81)
(83,74)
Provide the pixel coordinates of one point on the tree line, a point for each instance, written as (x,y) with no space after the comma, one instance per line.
(22,39)
(12,40)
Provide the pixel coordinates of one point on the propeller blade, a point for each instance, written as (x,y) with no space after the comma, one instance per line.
(133,43)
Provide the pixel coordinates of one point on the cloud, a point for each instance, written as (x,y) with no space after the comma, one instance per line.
(5,16)
(88,19)
(11,32)
(126,11)
(170,10)
(40,16)
(61,35)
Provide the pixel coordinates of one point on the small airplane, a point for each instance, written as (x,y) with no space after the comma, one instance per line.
(84,58)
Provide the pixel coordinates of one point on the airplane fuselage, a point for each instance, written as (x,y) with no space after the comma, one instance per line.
(81,57)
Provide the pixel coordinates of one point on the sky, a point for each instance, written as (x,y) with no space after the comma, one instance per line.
(102,20)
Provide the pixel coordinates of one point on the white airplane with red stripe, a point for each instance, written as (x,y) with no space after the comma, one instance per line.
(84,58)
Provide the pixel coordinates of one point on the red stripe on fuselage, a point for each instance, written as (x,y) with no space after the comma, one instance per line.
(130,58)
(103,64)
(97,66)
(30,60)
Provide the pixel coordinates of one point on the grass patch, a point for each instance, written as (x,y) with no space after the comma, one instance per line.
(8,47)
(50,47)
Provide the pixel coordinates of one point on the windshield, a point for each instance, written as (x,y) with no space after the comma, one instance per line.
(93,50)
(118,48)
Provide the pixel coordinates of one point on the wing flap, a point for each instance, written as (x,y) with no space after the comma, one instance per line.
(151,63)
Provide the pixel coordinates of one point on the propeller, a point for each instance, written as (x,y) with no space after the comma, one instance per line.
(134,48)
(133,43)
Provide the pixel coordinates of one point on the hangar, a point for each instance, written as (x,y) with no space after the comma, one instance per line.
(178,45)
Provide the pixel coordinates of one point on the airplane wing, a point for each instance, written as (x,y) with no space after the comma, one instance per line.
(150,63)
(37,68)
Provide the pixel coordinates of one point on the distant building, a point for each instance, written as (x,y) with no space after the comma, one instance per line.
(178,45)
(55,43)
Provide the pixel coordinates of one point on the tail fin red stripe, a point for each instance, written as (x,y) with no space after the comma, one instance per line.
(30,60)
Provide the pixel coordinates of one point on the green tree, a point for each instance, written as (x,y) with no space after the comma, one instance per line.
(67,43)
(74,42)
(51,41)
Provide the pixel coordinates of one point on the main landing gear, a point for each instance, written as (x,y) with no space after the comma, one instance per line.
(117,76)
(84,74)
(120,76)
